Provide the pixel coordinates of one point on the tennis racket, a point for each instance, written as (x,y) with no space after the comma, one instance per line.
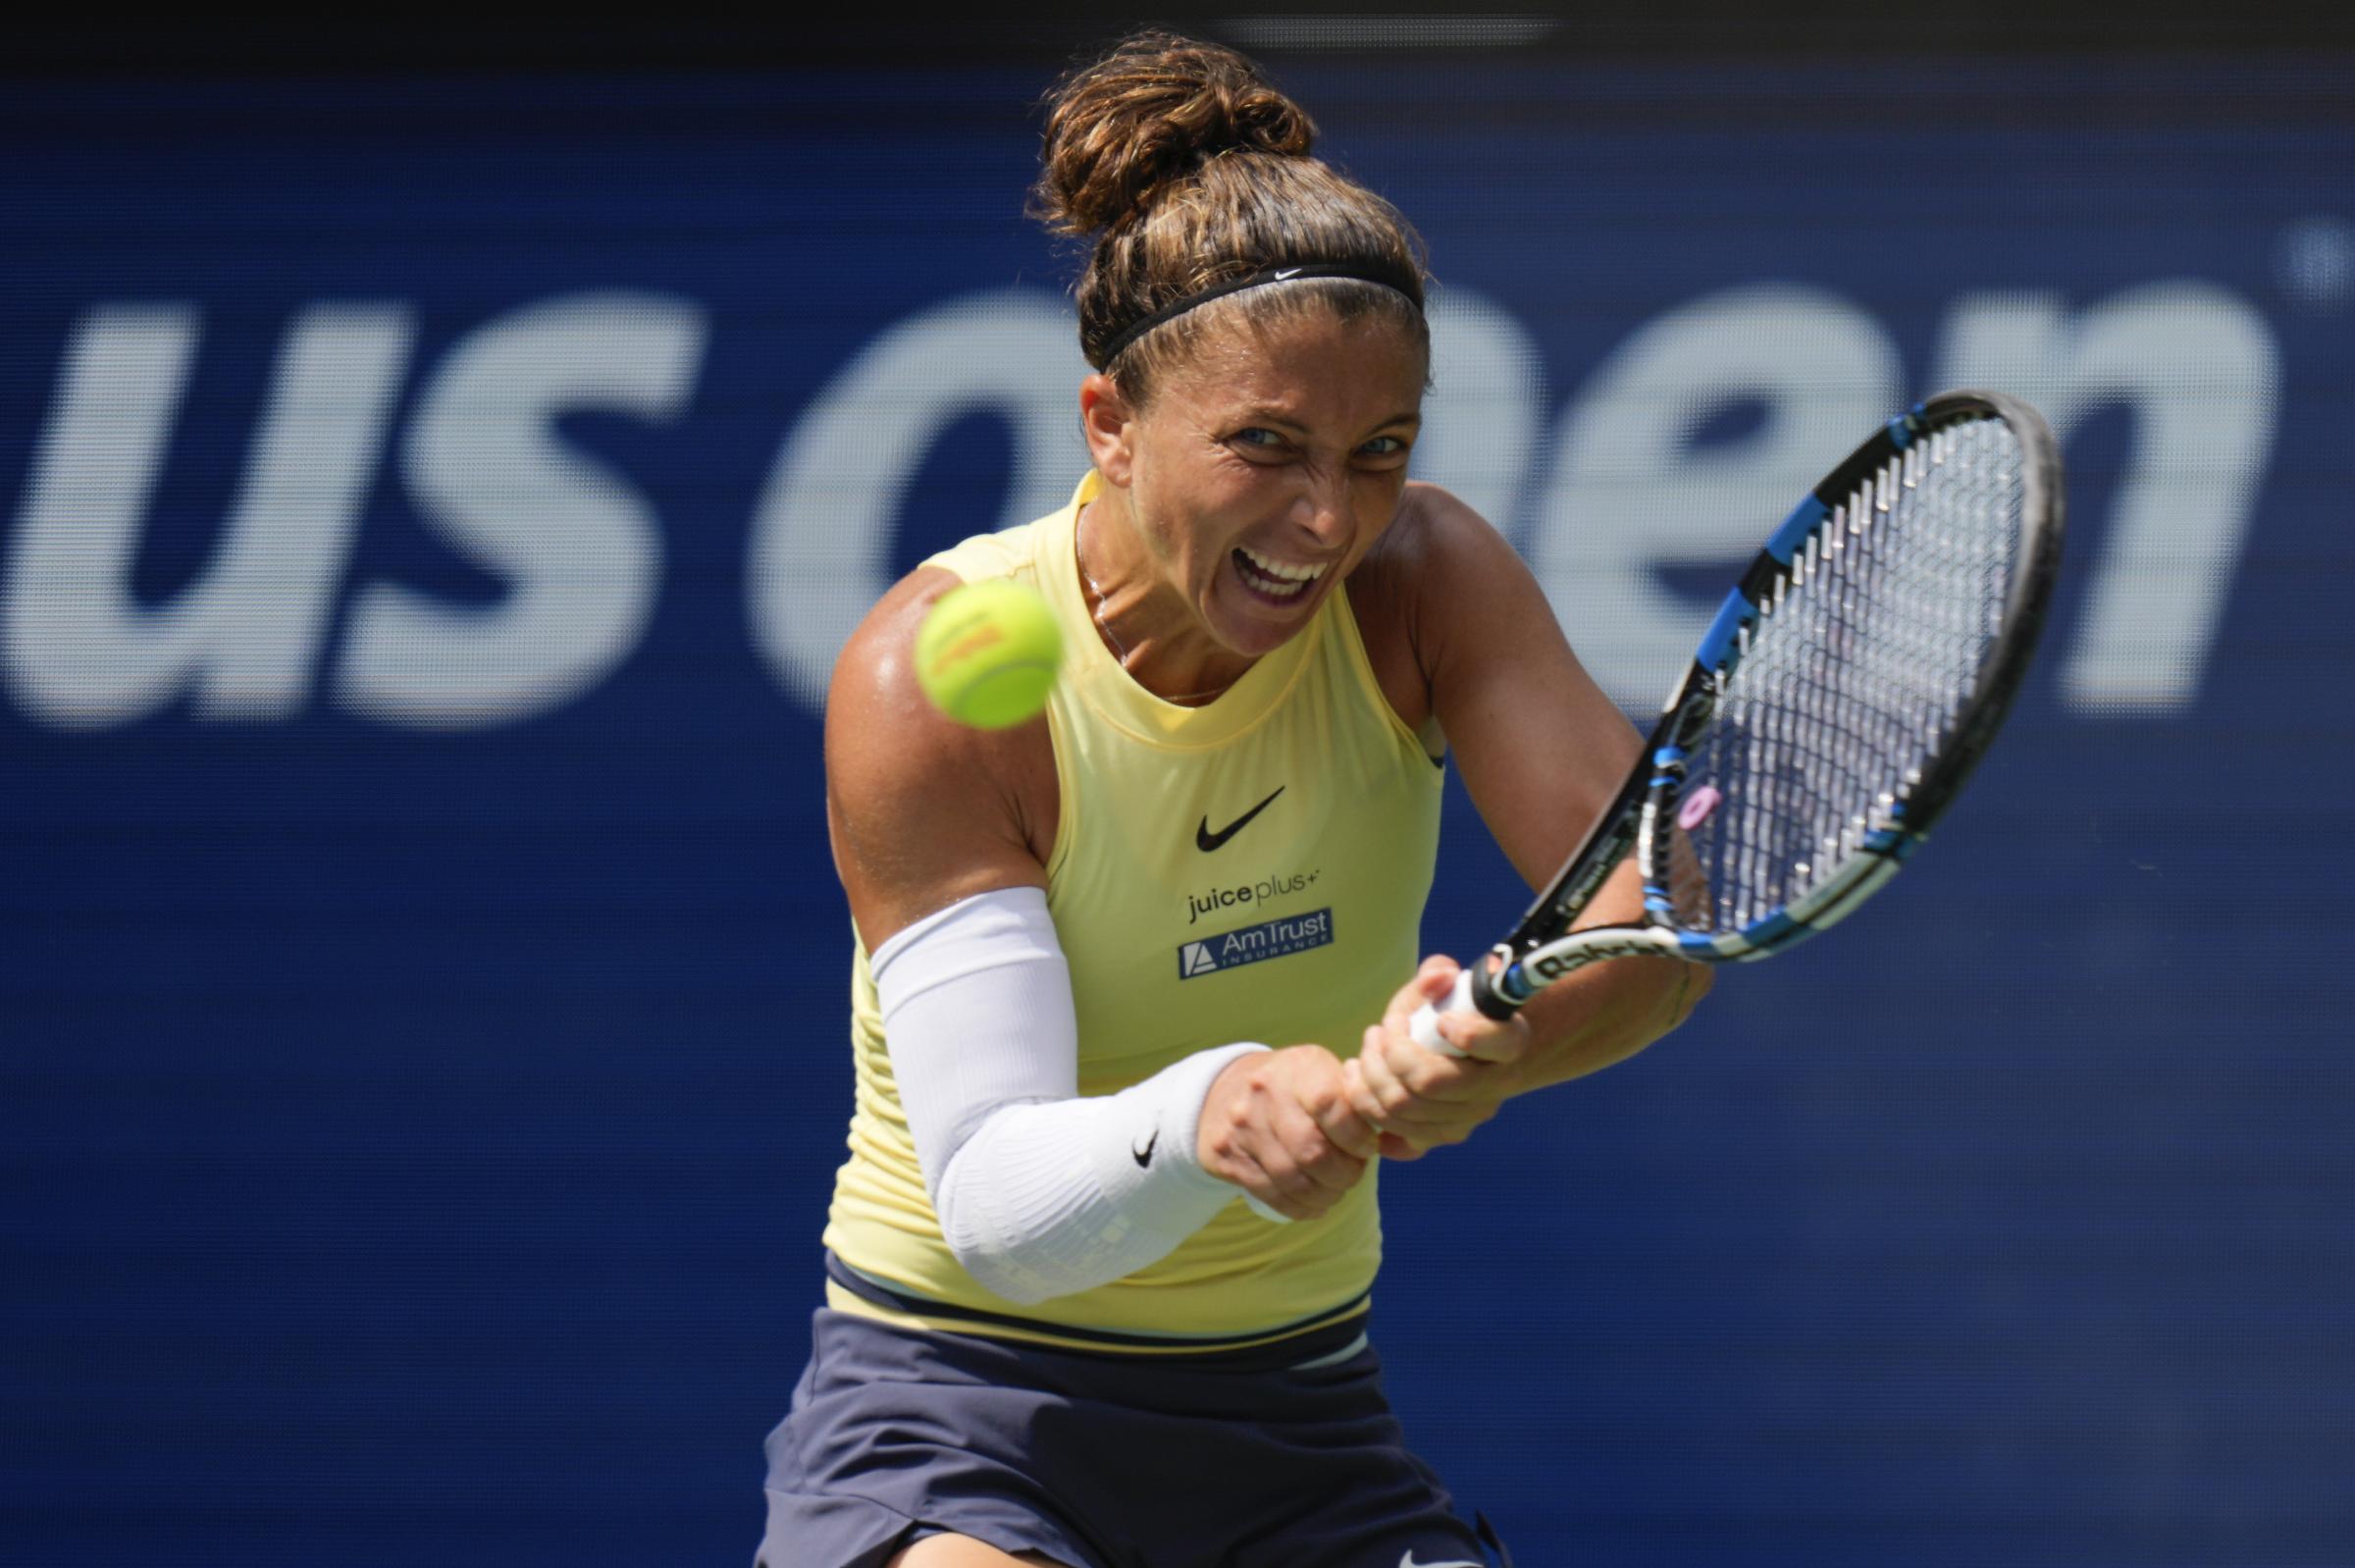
(1838,700)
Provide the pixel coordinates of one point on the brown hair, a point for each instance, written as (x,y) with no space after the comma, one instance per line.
(1191,171)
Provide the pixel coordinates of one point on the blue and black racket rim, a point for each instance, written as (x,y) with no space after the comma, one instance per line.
(1500,992)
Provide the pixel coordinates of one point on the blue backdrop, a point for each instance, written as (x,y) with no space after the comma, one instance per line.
(430,505)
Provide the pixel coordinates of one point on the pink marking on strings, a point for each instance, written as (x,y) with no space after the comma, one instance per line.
(1696,808)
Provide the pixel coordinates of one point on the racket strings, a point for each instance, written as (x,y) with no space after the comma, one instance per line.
(1862,663)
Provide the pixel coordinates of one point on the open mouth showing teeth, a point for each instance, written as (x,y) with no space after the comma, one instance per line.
(1273,579)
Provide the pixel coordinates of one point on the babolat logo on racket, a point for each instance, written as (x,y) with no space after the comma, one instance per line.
(1270,939)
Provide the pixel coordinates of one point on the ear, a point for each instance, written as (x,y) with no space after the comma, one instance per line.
(1109,425)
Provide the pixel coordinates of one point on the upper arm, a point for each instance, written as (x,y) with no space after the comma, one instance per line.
(1541,748)
(923,810)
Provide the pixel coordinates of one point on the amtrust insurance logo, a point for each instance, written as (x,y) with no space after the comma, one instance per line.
(1270,939)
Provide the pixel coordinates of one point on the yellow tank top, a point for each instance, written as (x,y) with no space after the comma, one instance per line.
(1254,870)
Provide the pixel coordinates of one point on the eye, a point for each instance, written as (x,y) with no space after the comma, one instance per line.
(1384,447)
(1256,443)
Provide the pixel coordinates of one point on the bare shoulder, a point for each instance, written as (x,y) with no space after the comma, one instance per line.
(1438,565)
(923,810)
(1438,555)
(1537,743)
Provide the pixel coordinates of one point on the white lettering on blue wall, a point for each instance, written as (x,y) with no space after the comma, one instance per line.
(1608,505)
(578,547)
(242,639)
(2199,367)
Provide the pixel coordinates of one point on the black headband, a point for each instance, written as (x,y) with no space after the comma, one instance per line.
(1266,275)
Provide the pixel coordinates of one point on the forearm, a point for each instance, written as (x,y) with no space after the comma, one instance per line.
(1039,1192)
(1048,1199)
(1604,1013)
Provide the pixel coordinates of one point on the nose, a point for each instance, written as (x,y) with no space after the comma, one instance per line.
(1322,509)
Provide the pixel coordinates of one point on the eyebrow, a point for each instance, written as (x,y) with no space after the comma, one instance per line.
(1269,416)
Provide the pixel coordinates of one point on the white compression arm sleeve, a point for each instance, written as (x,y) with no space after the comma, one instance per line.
(1040,1192)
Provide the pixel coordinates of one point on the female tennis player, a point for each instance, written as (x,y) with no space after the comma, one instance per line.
(1119,971)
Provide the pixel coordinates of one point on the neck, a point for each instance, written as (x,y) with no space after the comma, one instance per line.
(1123,596)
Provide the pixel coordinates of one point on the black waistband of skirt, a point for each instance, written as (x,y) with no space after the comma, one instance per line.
(1329,1332)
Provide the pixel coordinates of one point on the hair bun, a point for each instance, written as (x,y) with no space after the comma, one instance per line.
(1156,107)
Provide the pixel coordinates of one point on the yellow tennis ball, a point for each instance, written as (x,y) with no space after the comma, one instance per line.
(988,653)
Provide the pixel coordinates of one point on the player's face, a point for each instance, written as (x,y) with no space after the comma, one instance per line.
(1268,462)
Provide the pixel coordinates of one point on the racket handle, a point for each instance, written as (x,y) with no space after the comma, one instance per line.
(1424,1026)
(1264,1212)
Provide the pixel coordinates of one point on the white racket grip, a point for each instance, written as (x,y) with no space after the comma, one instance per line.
(1424,1026)
(1264,1212)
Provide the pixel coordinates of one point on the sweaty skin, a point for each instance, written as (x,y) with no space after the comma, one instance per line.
(1273,453)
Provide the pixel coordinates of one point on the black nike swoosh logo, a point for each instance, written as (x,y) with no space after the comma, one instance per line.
(1144,1156)
(1206,841)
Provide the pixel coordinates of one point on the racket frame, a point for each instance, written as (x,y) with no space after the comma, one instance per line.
(1543,948)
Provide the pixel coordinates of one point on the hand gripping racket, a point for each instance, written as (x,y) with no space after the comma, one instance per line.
(1837,703)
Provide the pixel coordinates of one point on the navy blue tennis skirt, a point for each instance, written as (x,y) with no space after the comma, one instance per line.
(1100,1460)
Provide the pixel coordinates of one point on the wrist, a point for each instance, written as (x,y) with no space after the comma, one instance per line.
(1178,1102)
